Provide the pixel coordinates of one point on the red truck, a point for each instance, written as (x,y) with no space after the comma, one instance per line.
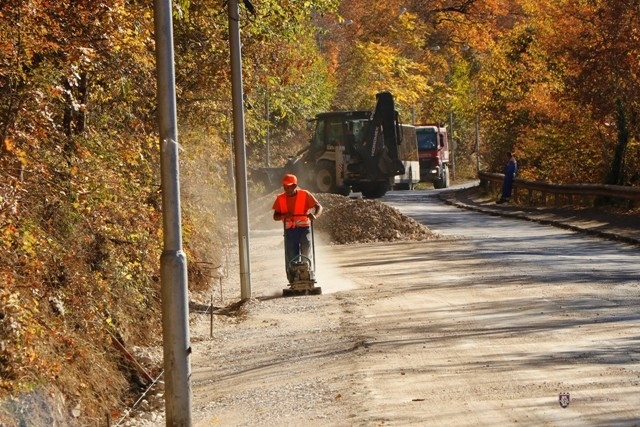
(433,152)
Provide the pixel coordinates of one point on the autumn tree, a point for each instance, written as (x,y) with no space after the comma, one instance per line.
(556,81)
(78,211)
(598,44)
(379,51)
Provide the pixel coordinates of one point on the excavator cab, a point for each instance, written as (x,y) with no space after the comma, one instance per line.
(352,151)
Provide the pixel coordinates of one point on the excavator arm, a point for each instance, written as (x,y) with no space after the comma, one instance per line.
(380,147)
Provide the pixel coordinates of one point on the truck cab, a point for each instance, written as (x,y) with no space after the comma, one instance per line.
(433,152)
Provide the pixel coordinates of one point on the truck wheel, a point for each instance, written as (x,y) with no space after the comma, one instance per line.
(325,179)
(410,185)
(441,182)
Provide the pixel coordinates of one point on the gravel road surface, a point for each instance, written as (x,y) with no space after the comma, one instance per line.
(491,323)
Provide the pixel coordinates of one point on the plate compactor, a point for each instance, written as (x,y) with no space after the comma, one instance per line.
(301,272)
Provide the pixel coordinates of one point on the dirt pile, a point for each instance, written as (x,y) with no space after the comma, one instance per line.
(351,220)
(346,220)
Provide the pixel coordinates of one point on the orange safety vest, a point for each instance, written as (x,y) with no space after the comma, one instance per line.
(299,218)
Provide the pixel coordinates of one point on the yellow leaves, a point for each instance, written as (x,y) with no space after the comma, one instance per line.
(8,234)
(389,70)
(15,318)
(21,156)
(21,335)
(29,243)
(11,147)
(9,300)
(410,31)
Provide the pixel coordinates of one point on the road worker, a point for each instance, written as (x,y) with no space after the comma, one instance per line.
(296,208)
(510,171)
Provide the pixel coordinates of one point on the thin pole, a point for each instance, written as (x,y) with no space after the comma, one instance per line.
(239,149)
(477,128)
(313,246)
(452,146)
(173,261)
(477,143)
(267,113)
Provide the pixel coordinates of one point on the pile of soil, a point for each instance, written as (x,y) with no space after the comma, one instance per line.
(346,220)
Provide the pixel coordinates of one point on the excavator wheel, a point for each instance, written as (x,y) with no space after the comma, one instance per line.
(325,177)
(374,190)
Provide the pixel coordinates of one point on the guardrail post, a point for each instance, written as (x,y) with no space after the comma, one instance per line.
(485,184)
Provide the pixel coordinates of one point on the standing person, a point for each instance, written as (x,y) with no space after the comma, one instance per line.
(349,138)
(294,208)
(509,174)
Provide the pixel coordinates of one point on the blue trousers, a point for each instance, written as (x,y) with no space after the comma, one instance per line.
(507,186)
(297,241)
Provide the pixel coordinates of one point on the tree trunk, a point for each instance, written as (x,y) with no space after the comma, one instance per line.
(616,174)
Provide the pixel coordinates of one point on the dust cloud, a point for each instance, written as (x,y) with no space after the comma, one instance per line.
(328,274)
(268,264)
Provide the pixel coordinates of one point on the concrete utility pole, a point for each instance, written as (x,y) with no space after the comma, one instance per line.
(173,261)
(239,149)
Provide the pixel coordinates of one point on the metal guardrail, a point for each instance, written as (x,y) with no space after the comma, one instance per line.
(538,192)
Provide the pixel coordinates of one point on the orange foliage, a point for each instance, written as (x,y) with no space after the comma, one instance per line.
(79,186)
